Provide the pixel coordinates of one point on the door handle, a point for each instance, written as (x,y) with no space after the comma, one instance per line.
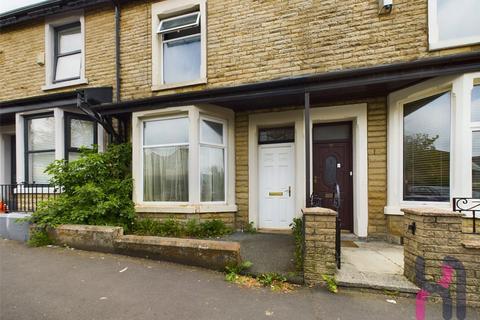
(289,191)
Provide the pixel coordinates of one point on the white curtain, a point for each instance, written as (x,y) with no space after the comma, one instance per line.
(166,174)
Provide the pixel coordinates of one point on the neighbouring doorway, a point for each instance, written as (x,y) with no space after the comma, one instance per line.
(276,152)
(332,165)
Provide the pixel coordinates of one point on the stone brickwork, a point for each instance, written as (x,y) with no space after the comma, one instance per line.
(227,217)
(438,234)
(248,41)
(319,255)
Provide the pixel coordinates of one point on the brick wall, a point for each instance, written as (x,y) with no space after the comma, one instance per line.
(437,239)
(248,41)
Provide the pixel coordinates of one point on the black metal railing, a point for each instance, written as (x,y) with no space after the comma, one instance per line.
(24,197)
(463,205)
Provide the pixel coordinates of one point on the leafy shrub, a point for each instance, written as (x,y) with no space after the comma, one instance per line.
(39,238)
(250,228)
(331,283)
(297,229)
(173,228)
(271,279)
(96,190)
(233,271)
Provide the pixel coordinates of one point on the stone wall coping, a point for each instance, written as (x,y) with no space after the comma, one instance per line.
(81,227)
(319,211)
(432,212)
(181,242)
(471,244)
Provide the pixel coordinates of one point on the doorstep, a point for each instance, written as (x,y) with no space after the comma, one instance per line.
(374,265)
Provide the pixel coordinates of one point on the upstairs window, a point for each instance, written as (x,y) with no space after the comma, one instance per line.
(68,52)
(453,23)
(181,48)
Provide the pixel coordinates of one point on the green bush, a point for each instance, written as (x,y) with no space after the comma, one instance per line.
(271,279)
(173,228)
(39,238)
(96,190)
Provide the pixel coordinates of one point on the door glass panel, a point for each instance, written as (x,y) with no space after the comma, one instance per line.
(476,164)
(331,132)
(426,149)
(276,135)
(330,171)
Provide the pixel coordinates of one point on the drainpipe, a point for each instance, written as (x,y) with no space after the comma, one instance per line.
(117,50)
(307,148)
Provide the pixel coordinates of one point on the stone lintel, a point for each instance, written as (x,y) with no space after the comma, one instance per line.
(317,211)
(471,243)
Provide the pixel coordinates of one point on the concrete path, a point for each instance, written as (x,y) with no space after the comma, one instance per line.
(58,283)
(376,265)
(269,252)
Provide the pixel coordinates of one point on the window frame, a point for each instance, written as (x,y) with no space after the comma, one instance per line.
(52,23)
(142,157)
(222,146)
(68,117)
(433,32)
(170,9)
(27,152)
(57,54)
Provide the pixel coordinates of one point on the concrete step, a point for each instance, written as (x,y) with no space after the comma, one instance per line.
(376,281)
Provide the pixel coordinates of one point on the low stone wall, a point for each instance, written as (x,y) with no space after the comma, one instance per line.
(319,254)
(203,253)
(227,217)
(93,238)
(434,238)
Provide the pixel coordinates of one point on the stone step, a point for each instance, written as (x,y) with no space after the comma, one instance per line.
(376,281)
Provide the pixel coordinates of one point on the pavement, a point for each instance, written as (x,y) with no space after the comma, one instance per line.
(64,284)
(375,264)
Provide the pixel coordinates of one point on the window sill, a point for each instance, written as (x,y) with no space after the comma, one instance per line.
(52,86)
(185,208)
(397,210)
(449,44)
(160,87)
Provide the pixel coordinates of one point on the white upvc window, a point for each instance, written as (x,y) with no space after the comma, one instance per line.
(453,23)
(178,43)
(475,125)
(434,143)
(212,160)
(65,51)
(185,162)
(165,159)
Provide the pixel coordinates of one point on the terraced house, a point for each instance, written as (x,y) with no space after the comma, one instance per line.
(245,111)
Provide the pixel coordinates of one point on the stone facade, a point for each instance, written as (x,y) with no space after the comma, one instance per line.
(438,234)
(248,41)
(319,255)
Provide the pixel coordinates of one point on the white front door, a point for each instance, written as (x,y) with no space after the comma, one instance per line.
(276,185)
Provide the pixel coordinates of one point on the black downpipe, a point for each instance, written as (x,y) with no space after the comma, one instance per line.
(117,50)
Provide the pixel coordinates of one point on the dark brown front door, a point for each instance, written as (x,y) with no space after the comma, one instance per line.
(332,164)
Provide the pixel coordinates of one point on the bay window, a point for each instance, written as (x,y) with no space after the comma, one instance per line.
(184,153)
(426,149)
(80,132)
(39,147)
